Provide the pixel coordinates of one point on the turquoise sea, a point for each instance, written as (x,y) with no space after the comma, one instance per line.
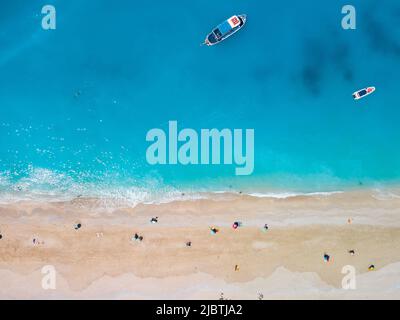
(76,102)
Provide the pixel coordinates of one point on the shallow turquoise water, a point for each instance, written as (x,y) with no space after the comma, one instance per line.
(76,102)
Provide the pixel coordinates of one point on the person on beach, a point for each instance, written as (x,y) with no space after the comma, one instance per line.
(371,267)
(236,225)
(352,252)
(77,226)
(136,237)
(326,257)
(154,220)
(189,244)
(37,242)
(265,228)
(214,230)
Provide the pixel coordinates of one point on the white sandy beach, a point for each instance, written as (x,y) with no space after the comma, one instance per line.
(101,261)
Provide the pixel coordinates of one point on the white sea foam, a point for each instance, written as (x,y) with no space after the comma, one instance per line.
(285,195)
(40,184)
(380,194)
(46,185)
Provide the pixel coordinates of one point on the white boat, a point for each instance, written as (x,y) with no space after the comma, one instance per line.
(225,29)
(363,93)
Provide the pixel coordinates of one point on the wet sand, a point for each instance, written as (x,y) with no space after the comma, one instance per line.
(101,261)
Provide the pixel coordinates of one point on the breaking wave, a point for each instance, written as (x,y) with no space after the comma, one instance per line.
(40,184)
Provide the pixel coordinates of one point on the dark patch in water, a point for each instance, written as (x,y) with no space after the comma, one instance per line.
(340,57)
(321,56)
(312,75)
(380,38)
(396,13)
(348,75)
(261,73)
(341,53)
(314,65)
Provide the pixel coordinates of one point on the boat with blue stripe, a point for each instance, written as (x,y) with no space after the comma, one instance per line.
(225,29)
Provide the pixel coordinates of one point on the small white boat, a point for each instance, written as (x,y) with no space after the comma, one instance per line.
(363,93)
(225,29)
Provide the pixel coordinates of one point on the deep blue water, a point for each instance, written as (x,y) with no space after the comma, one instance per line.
(76,102)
